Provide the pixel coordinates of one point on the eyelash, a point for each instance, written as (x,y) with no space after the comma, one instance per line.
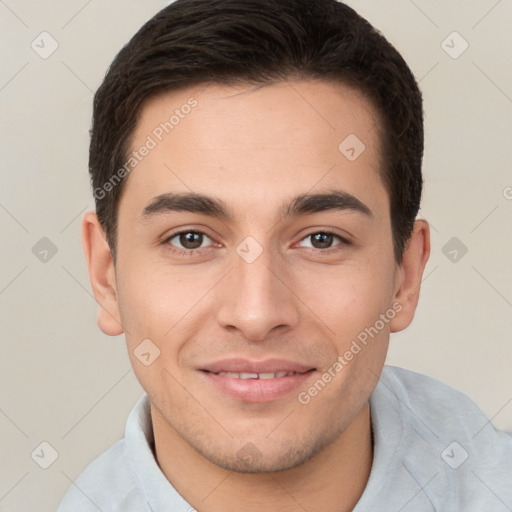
(194,252)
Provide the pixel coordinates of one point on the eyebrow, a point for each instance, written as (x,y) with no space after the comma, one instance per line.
(302,204)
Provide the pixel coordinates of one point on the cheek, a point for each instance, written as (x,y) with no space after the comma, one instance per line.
(162,305)
(150,308)
(153,300)
(348,298)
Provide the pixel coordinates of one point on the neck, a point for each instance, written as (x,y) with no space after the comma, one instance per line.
(332,481)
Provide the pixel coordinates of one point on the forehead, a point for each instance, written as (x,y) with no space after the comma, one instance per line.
(248,144)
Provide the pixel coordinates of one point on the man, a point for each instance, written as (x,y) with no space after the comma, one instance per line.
(256,166)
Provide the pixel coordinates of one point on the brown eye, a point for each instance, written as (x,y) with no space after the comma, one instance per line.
(323,240)
(191,240)
(188,240)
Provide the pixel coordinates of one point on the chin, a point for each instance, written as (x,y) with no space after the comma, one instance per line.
(252,459)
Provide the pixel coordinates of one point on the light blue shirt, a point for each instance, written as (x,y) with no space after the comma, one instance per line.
(434,450)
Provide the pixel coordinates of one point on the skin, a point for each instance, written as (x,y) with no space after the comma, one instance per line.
(255,149)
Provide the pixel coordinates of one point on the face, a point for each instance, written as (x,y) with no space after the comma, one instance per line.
(255,252)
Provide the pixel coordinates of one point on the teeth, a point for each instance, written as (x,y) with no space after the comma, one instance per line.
(247,376)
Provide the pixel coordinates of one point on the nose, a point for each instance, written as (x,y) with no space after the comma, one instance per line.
(257,298)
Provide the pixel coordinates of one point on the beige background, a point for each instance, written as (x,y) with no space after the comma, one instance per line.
(62,381)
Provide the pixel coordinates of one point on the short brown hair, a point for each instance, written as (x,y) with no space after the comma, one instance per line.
(259,42)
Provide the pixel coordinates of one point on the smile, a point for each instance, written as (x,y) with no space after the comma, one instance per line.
(267,375)
(256,382)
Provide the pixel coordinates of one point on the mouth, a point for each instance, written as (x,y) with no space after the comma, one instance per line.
(256,381)
(263,375)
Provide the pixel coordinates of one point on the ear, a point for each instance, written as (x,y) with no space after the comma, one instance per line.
(411,269)
(101,274)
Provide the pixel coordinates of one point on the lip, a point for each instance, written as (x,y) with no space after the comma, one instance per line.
(241,365)
(256,390)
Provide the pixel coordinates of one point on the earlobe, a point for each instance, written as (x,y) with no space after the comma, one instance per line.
(411,270)
(101,274)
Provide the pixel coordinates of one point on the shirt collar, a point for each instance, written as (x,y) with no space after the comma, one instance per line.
(387,428)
